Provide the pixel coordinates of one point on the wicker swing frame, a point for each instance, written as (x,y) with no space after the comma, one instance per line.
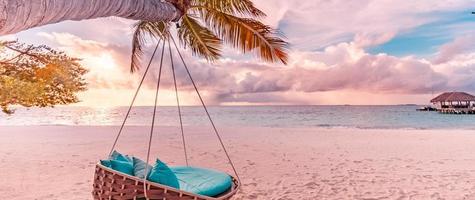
(109,184)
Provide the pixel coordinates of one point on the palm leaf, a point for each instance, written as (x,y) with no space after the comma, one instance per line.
(234,7)
(201,40)
(144,29)
(247,35)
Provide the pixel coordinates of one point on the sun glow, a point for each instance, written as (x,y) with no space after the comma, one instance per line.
(105,61)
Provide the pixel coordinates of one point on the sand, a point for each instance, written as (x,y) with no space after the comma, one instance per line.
(57,162)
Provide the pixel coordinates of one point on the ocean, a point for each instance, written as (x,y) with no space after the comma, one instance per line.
(362,117)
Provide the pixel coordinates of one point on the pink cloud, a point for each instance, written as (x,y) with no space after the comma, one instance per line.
(458,46)
(104,61)
(317,24)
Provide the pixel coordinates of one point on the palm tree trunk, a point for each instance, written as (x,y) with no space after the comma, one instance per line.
(19,15)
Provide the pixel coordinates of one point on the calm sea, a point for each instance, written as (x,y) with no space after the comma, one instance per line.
(364,117)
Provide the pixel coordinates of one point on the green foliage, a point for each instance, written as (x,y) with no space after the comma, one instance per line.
(246,34)
(201,40)
(145,29)
(233,7)
(38,76)
(207,24)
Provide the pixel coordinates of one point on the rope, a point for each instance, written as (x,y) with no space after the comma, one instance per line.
(133,100)
(206,110)
(178,103)
(153,120)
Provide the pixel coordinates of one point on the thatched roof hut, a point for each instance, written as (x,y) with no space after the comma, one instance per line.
(453,97)
(454,103)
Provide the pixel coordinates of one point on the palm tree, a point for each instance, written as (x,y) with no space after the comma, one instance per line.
(203,25)
(19,15)
(207,24)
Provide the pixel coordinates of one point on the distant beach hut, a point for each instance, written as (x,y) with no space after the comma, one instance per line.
(455,102)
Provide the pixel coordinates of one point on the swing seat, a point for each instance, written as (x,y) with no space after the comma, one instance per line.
(114,185)
(194,183)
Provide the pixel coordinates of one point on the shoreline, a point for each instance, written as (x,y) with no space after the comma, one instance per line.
(351,117)
(266,127)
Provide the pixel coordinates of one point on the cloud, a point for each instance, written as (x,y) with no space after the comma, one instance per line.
(104,61)
(347,67)
(376,73)
(460,71)
(316,24)
(460,45)
(355,70)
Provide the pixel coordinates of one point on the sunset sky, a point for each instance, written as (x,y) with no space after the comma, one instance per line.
(343,52)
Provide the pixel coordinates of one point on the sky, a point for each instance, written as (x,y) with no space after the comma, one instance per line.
(365,52)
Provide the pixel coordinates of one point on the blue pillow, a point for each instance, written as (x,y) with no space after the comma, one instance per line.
(162,174)
(202,181)
(121,166)
(106,163)
(118,156)
(140,167)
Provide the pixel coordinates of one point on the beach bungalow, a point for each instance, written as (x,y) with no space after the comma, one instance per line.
(455,102)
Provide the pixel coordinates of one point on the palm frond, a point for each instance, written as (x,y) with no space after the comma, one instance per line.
(247,35)
(234,7)
(144,29)
(137,52)
(201,40)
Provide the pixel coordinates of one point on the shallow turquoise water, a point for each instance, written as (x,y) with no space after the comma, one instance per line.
(371,117)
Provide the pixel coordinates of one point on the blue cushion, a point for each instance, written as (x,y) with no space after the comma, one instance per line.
(162,174)
(106,163)
(121,166)
(202,181)
(120,157)
(119,162)
(140,167)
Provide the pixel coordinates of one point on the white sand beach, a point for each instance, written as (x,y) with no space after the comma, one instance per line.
(57,162)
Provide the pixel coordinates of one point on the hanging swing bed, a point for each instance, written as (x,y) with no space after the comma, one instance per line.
(123,177)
